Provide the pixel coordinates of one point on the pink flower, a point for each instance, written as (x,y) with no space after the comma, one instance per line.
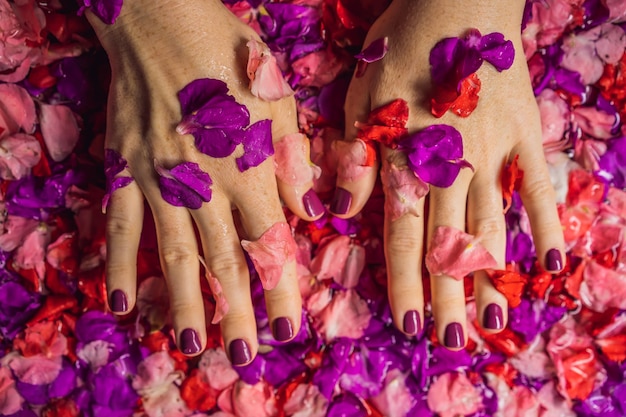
(272,253)
(32,253)
(347,315)
(554,113)
(453,395)
(19,152)
(266,79)
(594,122)
(455,253)
(403,190)
(603,288)
(306,401)
(549,20)
(253,400)
(16,230)
(318,68)
(95,353)
(395,399)
(59,130)
(17,109)
(216,370)
(331,259)
(587,153)
(292,160)
(10,400)
(533,360)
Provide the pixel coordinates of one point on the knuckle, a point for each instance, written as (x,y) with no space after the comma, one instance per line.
(539,189)
(119,225)
(178,255)
(228,266)
(490,227)
(403,243)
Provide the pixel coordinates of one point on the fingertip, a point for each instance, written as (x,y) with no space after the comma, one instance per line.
(553,261)
(350,197)
(283,329)
(411,323)
(119,302)
(240,353)
(453,336)
(190,342)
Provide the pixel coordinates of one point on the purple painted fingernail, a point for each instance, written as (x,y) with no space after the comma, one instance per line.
(492,317)
(190,342)
(118,302)
(312,204)
(282,329)
(341,201)
(411,322)
(554,262)
(454,336)
(239,352)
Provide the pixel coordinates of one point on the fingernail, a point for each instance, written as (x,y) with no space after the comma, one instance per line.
(312,204)
(553,260)
(118,301)
(411,322)
(492,317)
(189,342)
(239,352)
(282,329)
(341,201)
(454,336)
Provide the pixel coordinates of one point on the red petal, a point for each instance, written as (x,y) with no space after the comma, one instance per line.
(511,180)
(197,394)
(614,347)
(509,283)
(580,372)
(460,103)
(507,342)
(385,124)
(539,284)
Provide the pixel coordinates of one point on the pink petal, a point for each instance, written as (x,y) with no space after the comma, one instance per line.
(216,370)
(19,152)
(60,250)
(154,371)
(292,160)
(221,304)
(306,401)
(266,79)
(533,361)
(275,248)
(554,113)
(253,400)
(603,288)
(318,68)
(347,315)
(10,400)
(403,190)
(352,160)
(580,56)
(95,353)
(167,403)
(453,395)
(395,399)
(355,263)
(36,369)
(59,130)
(32,252)
(17,110)
(455,253)
(331,259)
(317,301)
(17,228)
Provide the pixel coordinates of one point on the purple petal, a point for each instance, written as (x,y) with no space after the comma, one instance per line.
(65,382)
(17,306)
(452,61)
(257,145)
(185,185)
(497,51)
(114,163)
(346,405)
(375,51)
(218,143)
(198,92)
(106,10)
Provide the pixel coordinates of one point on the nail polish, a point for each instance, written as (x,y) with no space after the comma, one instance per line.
(411,322)
(239,352)
(118,302)
(282,329)
(342,200)
(492,317)
(312,204)
(553,260)
(189,342)
(453,337)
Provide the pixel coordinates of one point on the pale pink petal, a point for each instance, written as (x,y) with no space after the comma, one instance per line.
(455,253)
(611,44)
(17,228)
(617,10)
(318,68)
(403,190)
(617,201)
(553,404)
(395,399)
(318,300)
(306,401)
(32,253)
(266,79)
(221,304)
(253,400)
(216,370)
(554,113)
(588,152)
(59,130)
(533,361)
(453,395)
(153,302)
(19,152)
(36,369)
(580,55)
(352,160)
(61,250)
(225,401)
(95,353)
(331,259)
(347,315)
(292,160)
(17,110)
(154,371)
(10,400)
(167,404)
(354,265)
(603,288)
(270,254)
(517,402)
(594,122)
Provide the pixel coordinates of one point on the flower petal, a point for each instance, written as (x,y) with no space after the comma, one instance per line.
(257,145)
(185,185)
(266,79)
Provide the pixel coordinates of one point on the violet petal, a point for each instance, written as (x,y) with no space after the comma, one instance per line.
(185,185)
(257,145)
(106,10)
(375,51)
(114,163)
(497,51)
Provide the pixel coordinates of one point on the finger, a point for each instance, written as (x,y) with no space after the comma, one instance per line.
(178,253)
(539,200)
(123,232)
(225,260)
(354,182)
(447,208)
(485,219)
(284,304)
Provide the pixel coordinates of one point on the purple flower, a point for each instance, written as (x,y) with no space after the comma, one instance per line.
(212,117)
(95,325)
(114,163)
(185,185)
(435,154)
(257,145)
(454,59)
(106,10)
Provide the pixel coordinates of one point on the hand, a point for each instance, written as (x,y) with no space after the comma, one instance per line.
(155,50)
(505,123)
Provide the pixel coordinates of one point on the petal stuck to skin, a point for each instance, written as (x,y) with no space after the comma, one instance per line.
(266,79)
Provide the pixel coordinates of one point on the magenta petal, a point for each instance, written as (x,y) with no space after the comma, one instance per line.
(218,143)
(198,92)
(106,10)
(185,185)
(497,51)
(114,163)
(451,61)
(375,51)
(257,145)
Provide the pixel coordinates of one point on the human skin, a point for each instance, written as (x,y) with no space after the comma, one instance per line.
(505,123)
(154,55)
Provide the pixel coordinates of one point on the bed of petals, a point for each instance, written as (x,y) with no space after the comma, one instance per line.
(63,354)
